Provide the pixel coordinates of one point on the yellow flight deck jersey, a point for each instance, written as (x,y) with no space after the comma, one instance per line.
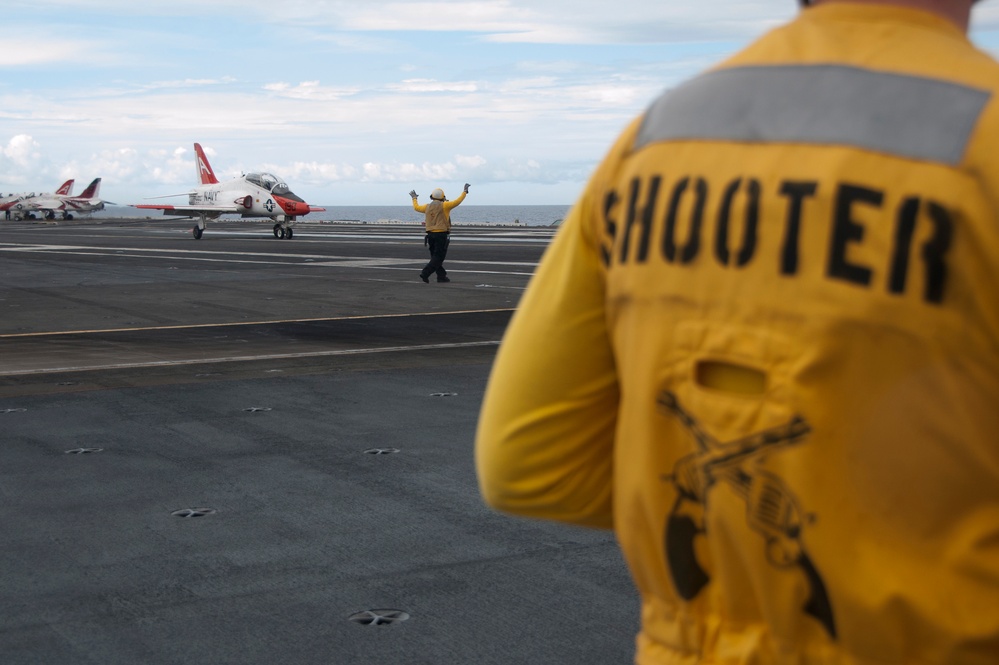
(438,213)
(764,348)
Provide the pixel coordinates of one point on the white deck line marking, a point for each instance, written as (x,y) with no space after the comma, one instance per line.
(332,234)
(311,260)
(234,359)
(191,326)
(89,250)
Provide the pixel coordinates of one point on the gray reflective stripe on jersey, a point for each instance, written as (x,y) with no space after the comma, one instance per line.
(900,115)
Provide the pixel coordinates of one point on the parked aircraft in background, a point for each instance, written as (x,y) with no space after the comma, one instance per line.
(250,195)
(87,202)
(7,202)
(64,205)
(20,206)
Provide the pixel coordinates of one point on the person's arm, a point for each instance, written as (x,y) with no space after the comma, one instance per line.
(416,206)
(544,445)
(448,205)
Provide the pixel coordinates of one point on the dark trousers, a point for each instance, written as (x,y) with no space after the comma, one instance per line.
(437,243)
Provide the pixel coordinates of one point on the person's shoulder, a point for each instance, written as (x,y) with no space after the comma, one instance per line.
(977,74)
(985,84)
(980,69)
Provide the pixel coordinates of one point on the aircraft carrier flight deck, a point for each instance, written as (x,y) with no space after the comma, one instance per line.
(241,449)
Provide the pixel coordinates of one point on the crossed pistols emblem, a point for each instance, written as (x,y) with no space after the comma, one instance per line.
(771,510)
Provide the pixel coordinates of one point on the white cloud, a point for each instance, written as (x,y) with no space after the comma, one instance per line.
(407,172)
(470,161)
(351,24)
(311,90)
(188,83)
(30,51)
(985,16)
(321,173)
(431,85)
(22,149)
(345,96)
(529,21)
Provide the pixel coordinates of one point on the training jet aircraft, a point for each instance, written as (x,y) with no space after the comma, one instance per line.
(250,195)
(87,202)
(23,206)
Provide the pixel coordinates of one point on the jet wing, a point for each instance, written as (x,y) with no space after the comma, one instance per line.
(169,196)
(190,211)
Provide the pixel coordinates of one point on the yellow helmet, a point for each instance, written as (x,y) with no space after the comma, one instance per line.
(438,194)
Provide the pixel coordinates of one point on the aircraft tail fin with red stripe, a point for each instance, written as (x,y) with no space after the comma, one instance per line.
(92,190)
(205,174)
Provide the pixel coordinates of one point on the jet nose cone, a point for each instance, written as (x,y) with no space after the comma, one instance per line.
(293,207)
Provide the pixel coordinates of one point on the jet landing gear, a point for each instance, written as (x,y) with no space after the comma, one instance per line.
(199,229)
(283,232)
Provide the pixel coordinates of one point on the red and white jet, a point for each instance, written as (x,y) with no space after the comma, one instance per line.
(23,206)
(66,204)
(250,195)
(87,202)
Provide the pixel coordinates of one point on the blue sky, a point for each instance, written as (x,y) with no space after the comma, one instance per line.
(352,102)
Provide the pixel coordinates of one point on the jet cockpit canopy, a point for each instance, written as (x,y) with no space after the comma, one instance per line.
(268,181)
(272,184)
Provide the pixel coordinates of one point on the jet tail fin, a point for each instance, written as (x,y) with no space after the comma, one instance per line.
(92,190)
(205,174)
(66,188)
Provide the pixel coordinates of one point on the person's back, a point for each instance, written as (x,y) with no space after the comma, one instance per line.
(796,259)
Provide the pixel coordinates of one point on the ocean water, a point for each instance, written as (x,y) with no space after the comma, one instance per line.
(526,215)
(464,214)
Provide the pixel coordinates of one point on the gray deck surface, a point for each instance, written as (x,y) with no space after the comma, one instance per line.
(321,401)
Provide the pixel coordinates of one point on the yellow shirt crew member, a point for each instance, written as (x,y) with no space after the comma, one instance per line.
(764,349)
(437,220)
